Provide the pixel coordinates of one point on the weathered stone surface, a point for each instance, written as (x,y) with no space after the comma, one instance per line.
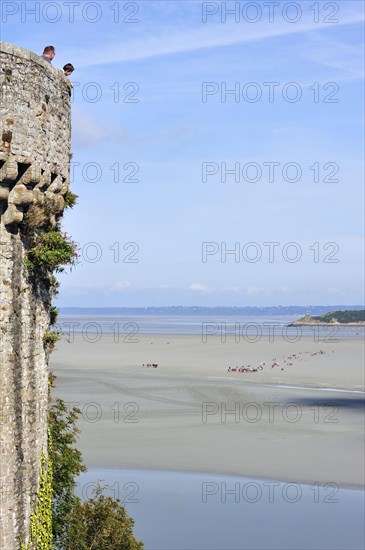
(35,128)
(38,196)
(31,150)
(4,192)
(12,215)
(20,196)
(32,175)
(56,185)
(58,204)
(9,171)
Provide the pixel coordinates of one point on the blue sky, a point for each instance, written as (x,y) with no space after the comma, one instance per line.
(139,118)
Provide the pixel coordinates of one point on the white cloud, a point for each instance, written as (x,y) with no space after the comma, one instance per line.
(159,287)
(87,131)
(86,288)
(255,291)
(99,286)
(198,287)
(177,39)
(337,55)
(120,286)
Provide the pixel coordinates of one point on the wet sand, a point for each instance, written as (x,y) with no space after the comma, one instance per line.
(302,424)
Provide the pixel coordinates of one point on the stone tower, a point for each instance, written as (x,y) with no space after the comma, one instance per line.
(34,179)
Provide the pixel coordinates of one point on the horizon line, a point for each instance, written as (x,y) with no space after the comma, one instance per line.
(211,307)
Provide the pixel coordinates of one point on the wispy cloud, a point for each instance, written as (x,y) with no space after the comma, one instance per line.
(87,131)
(175,39)
(255,291)
(121,286)
(198,287)
(86,288)
(337,55)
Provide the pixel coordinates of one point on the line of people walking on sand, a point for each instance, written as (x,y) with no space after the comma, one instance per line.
(248,368)
(153,365)
(288,361)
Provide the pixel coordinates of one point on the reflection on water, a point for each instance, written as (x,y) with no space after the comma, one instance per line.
(193,511)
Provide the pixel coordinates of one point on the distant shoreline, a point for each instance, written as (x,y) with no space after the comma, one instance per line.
(257,311)
(318,324)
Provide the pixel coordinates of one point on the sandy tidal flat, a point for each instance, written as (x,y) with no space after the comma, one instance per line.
(303,424)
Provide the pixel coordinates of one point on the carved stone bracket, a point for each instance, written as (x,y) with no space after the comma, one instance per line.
(23,183)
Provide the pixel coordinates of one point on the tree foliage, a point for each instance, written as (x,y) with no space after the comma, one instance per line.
(347,316)
(99,523)
(343,317)
(67,463)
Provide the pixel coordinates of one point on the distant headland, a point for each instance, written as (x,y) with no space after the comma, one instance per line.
(339,318)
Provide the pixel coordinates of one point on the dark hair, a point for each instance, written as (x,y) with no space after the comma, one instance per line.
(68,67)
(48,49)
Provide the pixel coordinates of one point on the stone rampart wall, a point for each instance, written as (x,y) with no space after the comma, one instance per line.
(34,179)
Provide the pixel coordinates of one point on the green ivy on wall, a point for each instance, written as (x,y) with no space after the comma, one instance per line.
(40,536)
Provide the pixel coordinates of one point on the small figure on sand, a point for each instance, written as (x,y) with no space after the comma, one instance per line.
(244,368)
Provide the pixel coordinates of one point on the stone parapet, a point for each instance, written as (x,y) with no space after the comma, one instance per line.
(35,133)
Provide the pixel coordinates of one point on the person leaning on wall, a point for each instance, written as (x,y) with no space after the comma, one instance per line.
(48,53)
(67,70)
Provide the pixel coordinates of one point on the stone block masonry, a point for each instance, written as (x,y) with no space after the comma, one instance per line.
(34,179)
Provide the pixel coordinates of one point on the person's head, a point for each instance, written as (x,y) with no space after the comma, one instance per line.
(49,52)
(68,69)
